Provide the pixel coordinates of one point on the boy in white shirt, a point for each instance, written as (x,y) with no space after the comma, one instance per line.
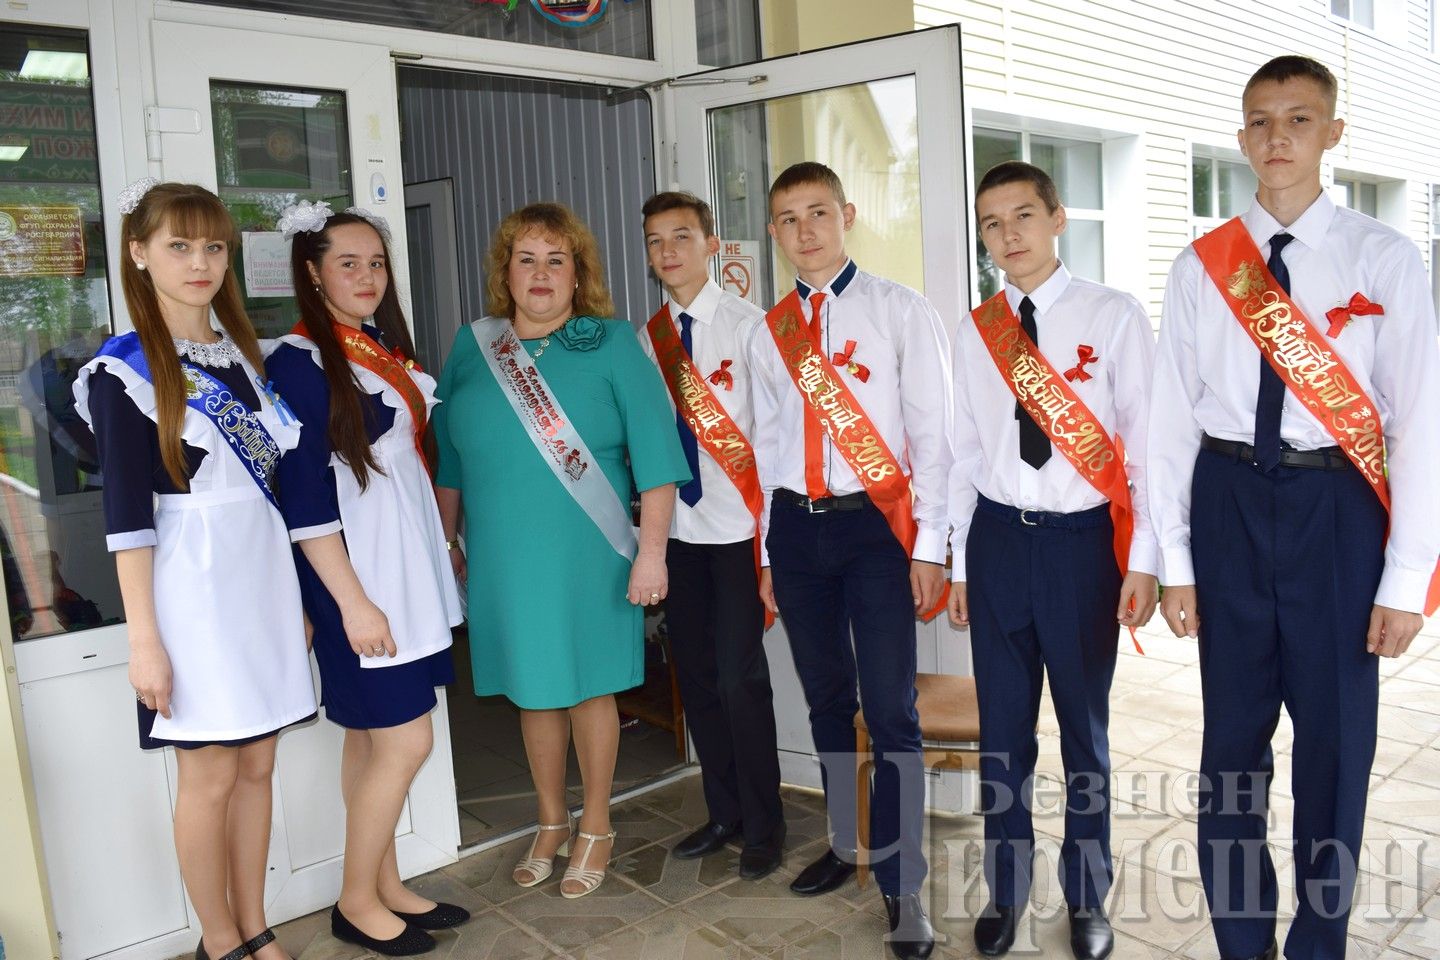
(1043,516)
(1295,397)
(713,611)
(851,385)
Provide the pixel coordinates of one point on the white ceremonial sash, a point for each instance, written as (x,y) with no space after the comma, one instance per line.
(555,438)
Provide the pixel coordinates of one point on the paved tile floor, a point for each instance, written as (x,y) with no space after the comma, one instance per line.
(655,908)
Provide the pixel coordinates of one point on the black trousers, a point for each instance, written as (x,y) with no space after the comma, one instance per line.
(717,625)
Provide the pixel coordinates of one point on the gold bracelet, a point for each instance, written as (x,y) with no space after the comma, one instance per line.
(452,544)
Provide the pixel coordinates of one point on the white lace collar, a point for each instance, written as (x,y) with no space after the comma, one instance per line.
(222,353)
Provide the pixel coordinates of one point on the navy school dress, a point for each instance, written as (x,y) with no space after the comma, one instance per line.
(356,697)
(134,475)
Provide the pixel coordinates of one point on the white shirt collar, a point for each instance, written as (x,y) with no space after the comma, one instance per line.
(1310,228)
(1043,296)
(702,308)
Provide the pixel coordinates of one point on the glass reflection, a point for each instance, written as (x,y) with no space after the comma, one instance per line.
(54,315)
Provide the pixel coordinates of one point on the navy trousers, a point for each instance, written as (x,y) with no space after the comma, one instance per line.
(842,583)
(1042,601)
(1286,568)
(717,632)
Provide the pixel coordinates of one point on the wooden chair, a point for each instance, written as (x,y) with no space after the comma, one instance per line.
(950,739)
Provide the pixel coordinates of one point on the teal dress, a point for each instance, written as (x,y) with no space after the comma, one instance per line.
(549,622)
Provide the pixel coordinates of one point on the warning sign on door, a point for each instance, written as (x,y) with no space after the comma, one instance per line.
(740,269)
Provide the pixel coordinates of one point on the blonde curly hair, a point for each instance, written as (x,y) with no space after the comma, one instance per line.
(555,222)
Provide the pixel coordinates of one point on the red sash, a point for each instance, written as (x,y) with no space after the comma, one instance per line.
(361,349)
(715,431)
(830,402)
(1314,373)
(1071,426)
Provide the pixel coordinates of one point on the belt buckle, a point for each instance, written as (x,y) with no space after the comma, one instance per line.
(1026,521)
(811,508)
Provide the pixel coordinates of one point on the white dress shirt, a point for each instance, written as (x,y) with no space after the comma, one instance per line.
(1207,373)
(722,326)
(899,338)
(1068,312)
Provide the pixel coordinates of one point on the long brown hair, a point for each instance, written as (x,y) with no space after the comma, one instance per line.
(347,428)
(189,211)
(554,221)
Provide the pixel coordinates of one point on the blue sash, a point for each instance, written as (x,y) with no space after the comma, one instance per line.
(236,422)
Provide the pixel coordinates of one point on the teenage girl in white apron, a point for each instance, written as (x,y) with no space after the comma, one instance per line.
(189,438)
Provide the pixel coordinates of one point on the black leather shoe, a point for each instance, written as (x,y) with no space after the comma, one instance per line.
(442,916)
(824,875)
(1271,953)
(412,941)
(761,859)
(1090,935)
(911,936)
(995,930)
(704,841)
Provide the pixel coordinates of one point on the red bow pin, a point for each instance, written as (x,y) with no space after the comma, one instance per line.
(857,370)
(723,377)
(1358,306)
(1086,353)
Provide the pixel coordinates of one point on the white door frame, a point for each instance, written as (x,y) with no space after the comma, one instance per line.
(682,154)
(931,56)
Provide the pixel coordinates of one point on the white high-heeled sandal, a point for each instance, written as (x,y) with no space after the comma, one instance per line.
(540,868)
(589,880)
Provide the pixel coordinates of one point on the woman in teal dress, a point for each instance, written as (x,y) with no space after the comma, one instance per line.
(556,612)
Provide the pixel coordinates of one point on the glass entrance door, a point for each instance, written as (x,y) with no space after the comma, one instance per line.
(268,120)
(887,116)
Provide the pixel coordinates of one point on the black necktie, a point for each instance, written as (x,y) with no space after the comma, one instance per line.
(689,492)
(1034,444)
(1271,397)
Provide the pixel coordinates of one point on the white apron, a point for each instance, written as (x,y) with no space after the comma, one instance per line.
(393,532)
(227,600)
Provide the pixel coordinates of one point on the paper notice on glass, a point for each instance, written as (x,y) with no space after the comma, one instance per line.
(267,264)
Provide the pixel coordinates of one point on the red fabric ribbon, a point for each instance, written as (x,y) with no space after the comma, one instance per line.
(857,370)
(1086,353)
(1358,306)
(723,377)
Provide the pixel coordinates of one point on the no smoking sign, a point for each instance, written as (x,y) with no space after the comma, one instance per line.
(739,260)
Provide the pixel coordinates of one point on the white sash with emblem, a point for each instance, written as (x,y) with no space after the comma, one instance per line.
(552,433)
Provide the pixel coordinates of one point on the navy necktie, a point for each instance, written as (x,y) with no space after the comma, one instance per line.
(689,492)
(1270,400)
(1035,446)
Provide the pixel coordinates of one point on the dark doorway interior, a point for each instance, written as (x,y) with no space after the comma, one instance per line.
(502,143)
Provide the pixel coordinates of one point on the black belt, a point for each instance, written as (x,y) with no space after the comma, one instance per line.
(850,501)
(1079,520)
(1325,458)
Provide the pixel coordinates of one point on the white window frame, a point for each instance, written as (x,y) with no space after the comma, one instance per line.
(1123,211)
(1391,196)
(1200,224)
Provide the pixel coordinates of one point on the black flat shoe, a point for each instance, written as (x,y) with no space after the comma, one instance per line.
(411,941)
(262,939)
(442,916)
(239,953)
(1090,935)
(704,841)
(1272,952)
(995,930)
(824,875)
(761,859)
(911,936)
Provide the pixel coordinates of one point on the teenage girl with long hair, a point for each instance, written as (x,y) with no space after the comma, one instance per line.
(374,567)
(189,438)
